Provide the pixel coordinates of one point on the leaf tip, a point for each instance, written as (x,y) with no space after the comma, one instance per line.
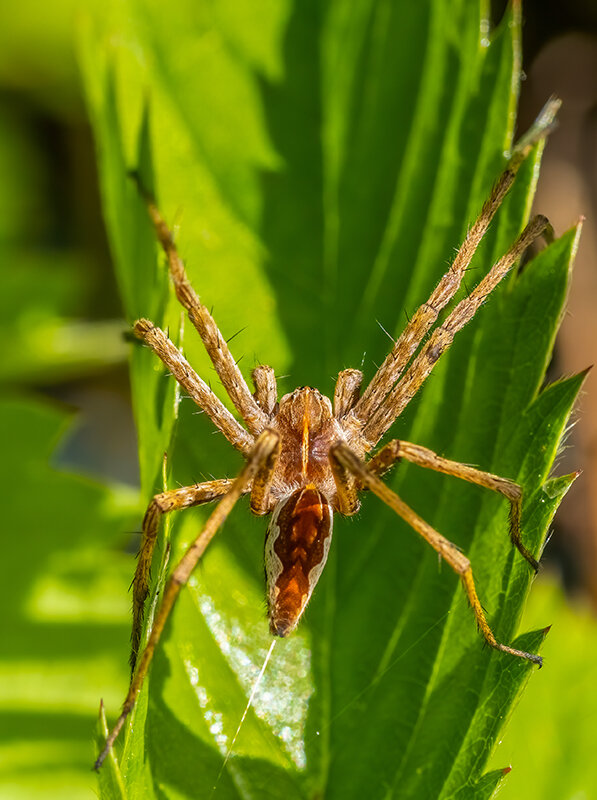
(577,228)
(506,770)
(584,372)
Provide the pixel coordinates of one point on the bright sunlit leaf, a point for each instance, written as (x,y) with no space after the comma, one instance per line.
(320,165)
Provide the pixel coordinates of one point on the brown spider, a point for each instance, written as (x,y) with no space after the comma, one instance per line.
(305,456)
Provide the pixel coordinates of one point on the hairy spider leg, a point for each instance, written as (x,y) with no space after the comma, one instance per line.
(262,460)
(347,391)
(195,387)
(163,503)
(423,457)
(425,316)
(442,337)
(266,388)
(215,344)
(347,488)
(446,549)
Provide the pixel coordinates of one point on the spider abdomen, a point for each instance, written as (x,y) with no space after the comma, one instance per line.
(296,549)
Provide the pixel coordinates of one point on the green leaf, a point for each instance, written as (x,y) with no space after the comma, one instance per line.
(321,163)
(63,595)
(560,703)
(110,779)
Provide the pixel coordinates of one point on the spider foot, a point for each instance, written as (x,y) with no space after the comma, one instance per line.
(532,657)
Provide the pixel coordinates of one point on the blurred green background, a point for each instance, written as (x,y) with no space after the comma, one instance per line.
(69,466)
(69,469)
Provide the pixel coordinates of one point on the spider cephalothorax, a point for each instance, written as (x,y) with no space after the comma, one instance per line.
(307,429)
(306,457)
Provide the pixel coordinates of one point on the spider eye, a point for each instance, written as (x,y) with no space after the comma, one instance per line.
(296,549)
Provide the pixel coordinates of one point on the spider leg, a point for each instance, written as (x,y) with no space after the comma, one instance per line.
(266,388)
(265,447)
(423,457)
(346,393)
(195,387)
(425,316)
(347,497)
(215,344)
(163,503)
(448,551)
(442,337)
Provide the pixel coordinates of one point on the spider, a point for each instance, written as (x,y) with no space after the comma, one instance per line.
(307,457)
